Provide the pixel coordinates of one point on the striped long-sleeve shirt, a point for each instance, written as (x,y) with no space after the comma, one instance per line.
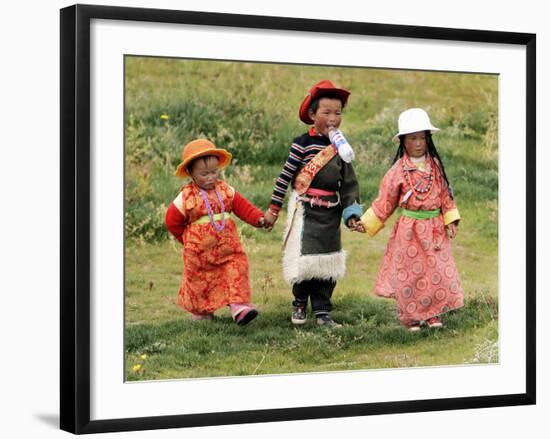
(302,150)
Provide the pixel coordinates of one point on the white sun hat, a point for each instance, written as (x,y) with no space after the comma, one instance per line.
(412,121)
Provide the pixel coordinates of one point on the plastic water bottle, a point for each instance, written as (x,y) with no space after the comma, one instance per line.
(339,141)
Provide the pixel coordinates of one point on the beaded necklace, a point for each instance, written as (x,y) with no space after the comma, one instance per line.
(204,197)
(419,190)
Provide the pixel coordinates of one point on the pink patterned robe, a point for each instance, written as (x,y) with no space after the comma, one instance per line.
(418,269)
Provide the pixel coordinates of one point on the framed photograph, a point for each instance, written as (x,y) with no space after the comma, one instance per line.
(140,88)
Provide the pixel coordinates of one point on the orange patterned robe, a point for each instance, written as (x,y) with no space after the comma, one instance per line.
(215,264)
(418,269)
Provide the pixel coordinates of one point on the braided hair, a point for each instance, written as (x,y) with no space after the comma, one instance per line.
(432,151)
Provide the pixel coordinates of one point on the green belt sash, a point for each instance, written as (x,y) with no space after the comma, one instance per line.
(421,214)
(206,219)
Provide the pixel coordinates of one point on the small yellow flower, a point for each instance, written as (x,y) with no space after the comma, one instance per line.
(164,116)
(143,356)
(136,367)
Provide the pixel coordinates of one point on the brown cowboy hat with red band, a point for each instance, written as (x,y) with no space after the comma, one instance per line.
(324,86)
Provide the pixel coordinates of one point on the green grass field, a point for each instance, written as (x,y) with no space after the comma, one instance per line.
(251,109)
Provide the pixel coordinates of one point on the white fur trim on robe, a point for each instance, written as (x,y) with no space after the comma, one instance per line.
(298,267)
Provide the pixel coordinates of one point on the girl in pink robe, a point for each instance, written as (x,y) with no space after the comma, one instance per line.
(418,269)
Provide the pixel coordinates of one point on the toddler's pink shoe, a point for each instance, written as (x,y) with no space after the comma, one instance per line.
(242,313)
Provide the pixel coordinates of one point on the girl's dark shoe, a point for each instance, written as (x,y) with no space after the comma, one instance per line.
(413,326)
(434,322)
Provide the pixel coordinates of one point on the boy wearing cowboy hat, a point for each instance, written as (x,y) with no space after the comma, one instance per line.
(215,264)
(324,191)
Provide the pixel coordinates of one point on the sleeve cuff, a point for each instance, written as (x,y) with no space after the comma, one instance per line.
(350,211)
(371,222)
(451,216)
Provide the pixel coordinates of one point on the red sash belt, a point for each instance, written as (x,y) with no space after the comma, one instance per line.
(314,200)
(317,192)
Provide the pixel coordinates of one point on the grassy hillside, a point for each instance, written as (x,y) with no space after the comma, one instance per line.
(251,110)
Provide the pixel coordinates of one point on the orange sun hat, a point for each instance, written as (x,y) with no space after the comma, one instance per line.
(324,86)
(200,148)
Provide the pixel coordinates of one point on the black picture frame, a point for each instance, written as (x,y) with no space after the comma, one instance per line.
(75,212)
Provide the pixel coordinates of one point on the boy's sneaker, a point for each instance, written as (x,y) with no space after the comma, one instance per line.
(299,315)
(326,321)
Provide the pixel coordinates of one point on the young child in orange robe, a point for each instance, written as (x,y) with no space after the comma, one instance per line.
(215,264)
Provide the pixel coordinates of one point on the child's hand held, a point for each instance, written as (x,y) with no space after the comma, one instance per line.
(356,226)
(360,227)
(270,218)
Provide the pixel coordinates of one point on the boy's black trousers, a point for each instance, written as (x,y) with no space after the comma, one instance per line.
(319,292)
